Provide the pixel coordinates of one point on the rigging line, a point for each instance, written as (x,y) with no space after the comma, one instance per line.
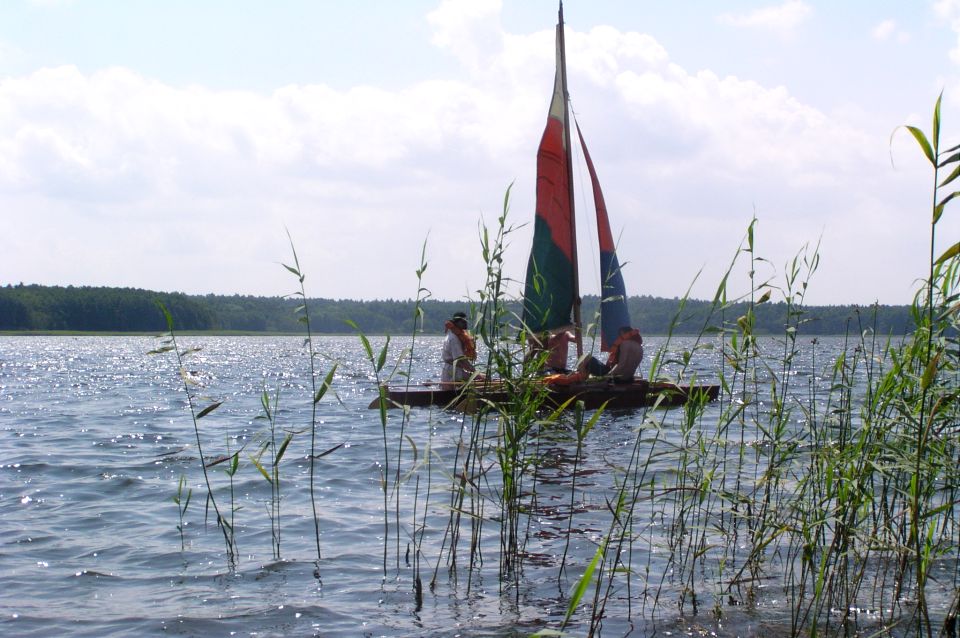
(592,234)
(591,219)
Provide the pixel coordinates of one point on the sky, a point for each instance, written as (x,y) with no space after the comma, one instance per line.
(173,145)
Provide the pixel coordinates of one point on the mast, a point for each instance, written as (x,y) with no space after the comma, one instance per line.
(573,218)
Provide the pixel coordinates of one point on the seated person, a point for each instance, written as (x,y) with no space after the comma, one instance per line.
(557,344)
(626,353)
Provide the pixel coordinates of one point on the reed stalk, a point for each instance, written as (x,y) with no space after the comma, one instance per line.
(418,314)
(169,344)
(275,451)
(316,393)
(932,363)
(182,499)
(378,361)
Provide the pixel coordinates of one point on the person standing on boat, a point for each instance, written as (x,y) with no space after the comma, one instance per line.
(626,353)
(459,351)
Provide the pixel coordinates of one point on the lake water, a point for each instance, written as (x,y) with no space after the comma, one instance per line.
(95,435)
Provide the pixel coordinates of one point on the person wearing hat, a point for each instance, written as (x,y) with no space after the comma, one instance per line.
(459,350)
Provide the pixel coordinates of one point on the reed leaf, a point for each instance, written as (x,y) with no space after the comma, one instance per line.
(382,359)
(953,175)
(294,271)
(936,121)
(210,408)
(257,464)
(938,210)
(930,372)
(187,377)
(583,584)
(948,254)
(367,348)
(330,451)
(217,461)
(327,383)
(283,447)
(921,139)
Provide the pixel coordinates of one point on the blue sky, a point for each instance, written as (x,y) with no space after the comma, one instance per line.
(168,145)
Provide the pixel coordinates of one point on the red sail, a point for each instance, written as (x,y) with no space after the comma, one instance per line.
(613,292)
(549,292)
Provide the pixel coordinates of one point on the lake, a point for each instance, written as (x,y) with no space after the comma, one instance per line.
(95,435)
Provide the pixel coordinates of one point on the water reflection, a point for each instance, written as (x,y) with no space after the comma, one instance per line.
(94,436)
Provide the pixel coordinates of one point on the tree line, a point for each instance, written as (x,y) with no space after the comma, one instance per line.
(103,309)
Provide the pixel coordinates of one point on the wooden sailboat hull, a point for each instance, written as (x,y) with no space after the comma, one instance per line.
(639,394)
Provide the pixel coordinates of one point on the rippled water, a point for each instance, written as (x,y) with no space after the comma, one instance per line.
(95,434)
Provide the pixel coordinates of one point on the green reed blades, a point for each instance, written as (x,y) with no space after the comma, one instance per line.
(183,502)
(316,394)
(418,314)
(518,420)
(275,454)
(169,344)
(582,428)
(931,365)
(378,362)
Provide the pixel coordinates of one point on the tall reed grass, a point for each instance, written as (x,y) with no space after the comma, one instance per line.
(848,498)
(190,386)
(832,482)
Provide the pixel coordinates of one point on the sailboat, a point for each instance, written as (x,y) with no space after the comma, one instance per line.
(552,293)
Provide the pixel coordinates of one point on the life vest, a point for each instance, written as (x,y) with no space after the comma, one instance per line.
(633,335)
(466,340)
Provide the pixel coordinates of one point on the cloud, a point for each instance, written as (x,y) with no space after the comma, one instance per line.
(784,17)
(468,28)
(190,188)
(52,4)
(887,30)
(949,12)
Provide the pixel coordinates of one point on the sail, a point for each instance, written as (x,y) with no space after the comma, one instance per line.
(613,292)
(549,292)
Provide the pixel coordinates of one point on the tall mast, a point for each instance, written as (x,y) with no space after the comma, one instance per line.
(573,218)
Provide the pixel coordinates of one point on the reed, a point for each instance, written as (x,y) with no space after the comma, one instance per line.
(270,470)
(393,475)
(316,393)
(852,510)
(377,362)
(417,531)
(518,420)
(834,482)
(169,344)
(929,367)
(182,500)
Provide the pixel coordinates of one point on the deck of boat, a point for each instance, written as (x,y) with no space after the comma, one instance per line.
(640,393)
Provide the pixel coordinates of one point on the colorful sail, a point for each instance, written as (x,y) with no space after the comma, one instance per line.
(551,271)
(613,292)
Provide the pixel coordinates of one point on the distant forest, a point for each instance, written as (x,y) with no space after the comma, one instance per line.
(97,309)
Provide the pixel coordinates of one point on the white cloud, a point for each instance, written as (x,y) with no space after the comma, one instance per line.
(887,30)
(52,4)
(949,11)
(782,18)
(468,28)
(190,188)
